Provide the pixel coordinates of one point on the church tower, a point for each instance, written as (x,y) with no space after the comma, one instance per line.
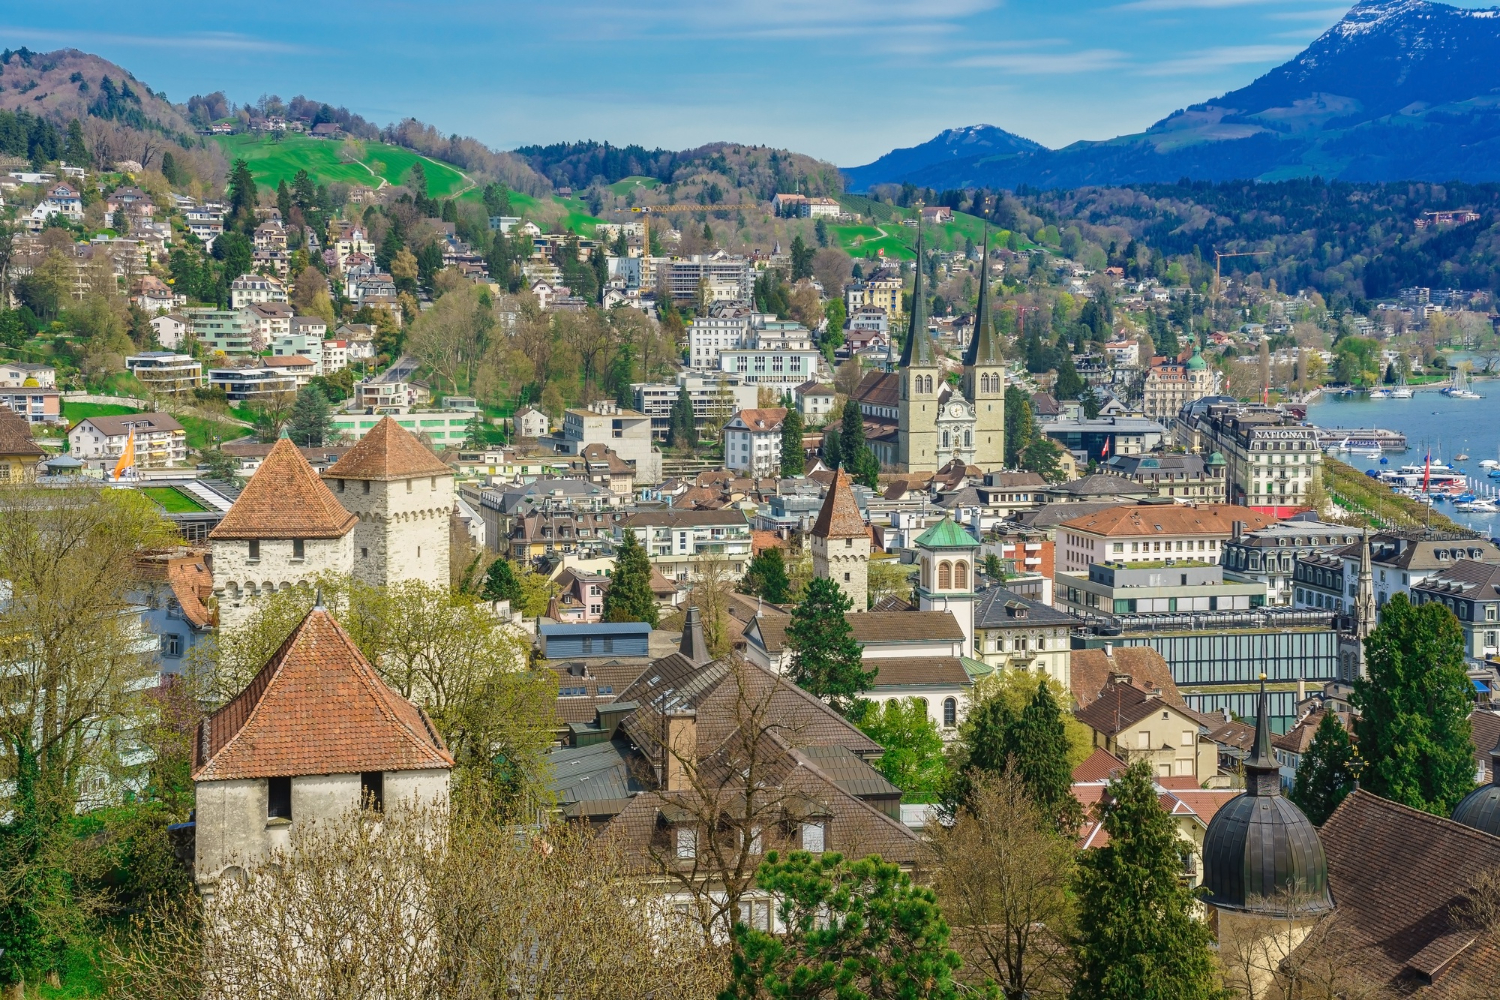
(921,379)
(984,377)
(1362,619)
(946,553)
(841,542)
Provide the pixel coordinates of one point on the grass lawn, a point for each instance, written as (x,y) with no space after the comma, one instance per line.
(271,162)
(74,412)
(79,974)
(622,187)
(173,500)
(900,241)
(201,431)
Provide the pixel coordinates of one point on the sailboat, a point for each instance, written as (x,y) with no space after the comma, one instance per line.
(1460,387)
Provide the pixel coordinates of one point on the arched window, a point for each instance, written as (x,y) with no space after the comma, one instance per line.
(923,703)
(927,384)
(945,439)
(945,576)
(926,571)
(950,712)
(968,438)
(961,575)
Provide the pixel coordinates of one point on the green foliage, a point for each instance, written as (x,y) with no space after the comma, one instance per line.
(311,419)
(501,583)
(914,760)
(994,568)
(802,259)
(793,460)
(1323,774)
(1020,424)
(1138,937)
(1032,743)
(629,597)
(682,432)
(855,930)
(242,198)
(1414,708)
(766,577)
(826,661)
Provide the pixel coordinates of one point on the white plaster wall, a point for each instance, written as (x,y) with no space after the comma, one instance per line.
(238,580)
(403,529)
(417,788)
(230,824)
(832,559)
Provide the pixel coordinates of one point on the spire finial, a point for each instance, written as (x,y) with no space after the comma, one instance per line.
(1262,772)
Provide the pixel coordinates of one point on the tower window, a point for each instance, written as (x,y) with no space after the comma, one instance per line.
(255,550)
(278,798)
(367,485)
(299,549)
(372,791)
(408,485)
(945,576)
(846,578)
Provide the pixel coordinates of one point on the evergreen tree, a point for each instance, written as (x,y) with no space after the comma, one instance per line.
(866,468)
(242,198)
(852,433)
(1414,708)
(766,577)
(629,597)
(826,661)
(1020,424)
(77,154)
(1069,385)
(311,419)
(1138,938)
(793,461)
(502,584)
(284,202)
(820,231)
(833,448)
(681,430)
(1090,401)
(802,258)
(1037,743)
(1323,775)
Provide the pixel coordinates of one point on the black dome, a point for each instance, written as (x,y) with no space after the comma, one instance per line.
(1260,852)
(1480,809)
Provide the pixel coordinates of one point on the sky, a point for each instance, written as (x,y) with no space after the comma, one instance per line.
(843,80)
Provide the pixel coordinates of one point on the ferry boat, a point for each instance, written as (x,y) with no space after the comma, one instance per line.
(1432,478)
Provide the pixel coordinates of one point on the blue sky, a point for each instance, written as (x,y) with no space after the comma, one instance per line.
(845,80)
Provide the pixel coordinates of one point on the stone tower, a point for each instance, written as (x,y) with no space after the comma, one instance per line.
(921,379)
(285,529)
(403,496)
(945,553)
(984,377)
(841,542)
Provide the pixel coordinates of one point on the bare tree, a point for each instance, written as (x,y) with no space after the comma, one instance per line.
(713,581)
(1002,876)
(1286,953)
(588,338)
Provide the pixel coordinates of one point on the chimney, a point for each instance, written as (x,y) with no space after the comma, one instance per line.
(693,645)
(1109,650)
(680,749)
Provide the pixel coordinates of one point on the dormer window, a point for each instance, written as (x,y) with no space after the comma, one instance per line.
(687,843)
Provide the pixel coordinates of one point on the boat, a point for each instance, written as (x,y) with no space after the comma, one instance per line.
(1460,457)
(1433,477)
(1380,394)
(1460,387)
(1479,506)
(1401,392)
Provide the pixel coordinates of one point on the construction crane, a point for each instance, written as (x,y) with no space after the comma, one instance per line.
(1219,256)
(660,209)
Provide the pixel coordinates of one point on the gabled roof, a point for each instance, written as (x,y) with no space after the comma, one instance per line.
(840,516)
(316,707)
(1169,519)
(285,499)
(389,451)
(119,426)
(1120,706)
(1091,670)
(767,419)
(15,435)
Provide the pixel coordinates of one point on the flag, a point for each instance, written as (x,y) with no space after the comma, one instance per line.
(127,457)
(1104,452)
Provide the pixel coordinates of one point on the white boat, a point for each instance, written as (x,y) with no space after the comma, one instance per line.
(1401,392)
(1380,394)
(1460,387)
(1480,506)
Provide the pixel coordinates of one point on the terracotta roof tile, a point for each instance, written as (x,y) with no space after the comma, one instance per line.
(924,671)
(285,499)
(1101,766)
(15,435)
(388,451)
(1091,670)
(316,707)
(840,516)
(1169,519)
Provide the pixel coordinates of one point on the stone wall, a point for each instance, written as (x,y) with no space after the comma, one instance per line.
(403,529)
(838,558)
(238,579)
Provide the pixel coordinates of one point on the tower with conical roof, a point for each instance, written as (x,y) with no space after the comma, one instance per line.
(945,553)
(1363,618)
(285,529)
(841,542)
(921,378)
(984,376)
(1261,855)
(403,496)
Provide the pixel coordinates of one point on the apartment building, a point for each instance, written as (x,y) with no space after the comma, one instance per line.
(159,441)
(752,441)
(626,432)
(1170,385)
(1328,579)
(717,277)
(715,399)
(251,289)
(271,321)
(881,290)
(243,385)
(1269,556)
(308,345)
(37,405)
(1152,532)
(164,371)
(678,541)
(231,331)
(1196,477)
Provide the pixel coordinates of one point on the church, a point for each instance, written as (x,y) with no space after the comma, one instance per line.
(916,421)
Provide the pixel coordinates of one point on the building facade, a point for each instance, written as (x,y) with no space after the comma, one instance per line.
(841,542)
(752,441)
(1171,385)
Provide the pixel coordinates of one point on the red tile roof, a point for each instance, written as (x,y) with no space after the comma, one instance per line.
(285,499)
(1091,670)
(15,435)
(316,707)
(1169,519)
(389,451)
(840,516)
(1101,766)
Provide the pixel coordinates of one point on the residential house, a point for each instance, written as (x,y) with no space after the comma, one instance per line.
(153,295)
(1132,725)
(1013,632)
(176,589)
(302,369)
(19,452)
(26,375)
(243,385)
(158,439)
(814,401)
(252,289)
(38,406)
(677,541)
(164,371)
(580,599)
(531,422)
(171,330)
(1197,478)
(752,441)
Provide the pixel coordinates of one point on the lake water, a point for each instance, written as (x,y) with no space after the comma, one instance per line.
(1449,427)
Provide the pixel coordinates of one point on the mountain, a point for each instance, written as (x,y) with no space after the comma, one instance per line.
(954,145)
(69,84)
(1396,90)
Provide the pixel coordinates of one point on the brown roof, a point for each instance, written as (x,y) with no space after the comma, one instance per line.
(1100,766)
(878,389)
(1484,733)
(873,626)
(122,425)
(767,419)
(316,707)
(15,434)
(1169,519)
(192,584)
(1300,736)
(902,671)
(1092,670)
(389,451)
(1396,874)
(287,361)
(840,516)
(1118,707)
(285,499)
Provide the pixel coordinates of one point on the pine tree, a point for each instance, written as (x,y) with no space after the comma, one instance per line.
(502,584)
(1138,938)
(766,577)
(1020,426)
(833,448)
(826,661)
(682,432)
(1323,776)
(802,257)
(629,597)
(284,202)
(1038,745)
(1414,723)
(242,198)
(311,418)
(793,461)
(1069,385)
(77,154)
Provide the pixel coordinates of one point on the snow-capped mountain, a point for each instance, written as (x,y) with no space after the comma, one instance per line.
(1396,90)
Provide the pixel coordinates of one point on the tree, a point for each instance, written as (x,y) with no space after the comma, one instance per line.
(629,597)
(682,432)
(311,419)
(1323,774)
(77,153)
(284,202)
(820,231)
(826,661)
(242,198)
(913,760)
(802,259)
(1090,400)
(1020,424)
(1069,385)
(501,583)
(1138,937)
(793,459)
(1414,708)
(856,930)
(766,577)
(1003,874)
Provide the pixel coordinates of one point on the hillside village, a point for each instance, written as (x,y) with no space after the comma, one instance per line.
(744,532)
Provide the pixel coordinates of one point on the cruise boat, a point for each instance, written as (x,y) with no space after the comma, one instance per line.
(1433,478)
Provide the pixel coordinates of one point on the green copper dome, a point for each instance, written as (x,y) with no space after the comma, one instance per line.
(1216,459)
(1196,362)
(947,535)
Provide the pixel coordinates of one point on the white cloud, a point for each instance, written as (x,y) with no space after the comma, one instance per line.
(220,41)
(1047,63)
(775,18)
(1149,5)
(1218,58)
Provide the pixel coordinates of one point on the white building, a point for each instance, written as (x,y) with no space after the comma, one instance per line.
(250,289)
(945,555)
(242,385)
(718,277)
(784,369)
(625,432)
(159,441)
(171,330)
(280,756)
(752,441)
(163,371)
(307,344)
(335,356)
(403,496)
(677,541)
(531,423)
